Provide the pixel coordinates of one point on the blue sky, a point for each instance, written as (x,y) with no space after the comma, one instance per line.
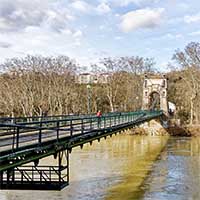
(91,29)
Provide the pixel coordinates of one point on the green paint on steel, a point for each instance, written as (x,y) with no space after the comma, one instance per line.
(10,159)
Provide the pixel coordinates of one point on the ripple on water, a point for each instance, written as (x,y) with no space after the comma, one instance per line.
(181,180)
(117,169)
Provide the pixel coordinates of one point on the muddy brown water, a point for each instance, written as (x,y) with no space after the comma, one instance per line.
(127,167)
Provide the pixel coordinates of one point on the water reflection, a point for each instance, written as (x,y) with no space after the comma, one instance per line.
(139,161)
(117,168)
(177,174)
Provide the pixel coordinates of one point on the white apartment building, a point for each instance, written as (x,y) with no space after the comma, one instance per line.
(86,78)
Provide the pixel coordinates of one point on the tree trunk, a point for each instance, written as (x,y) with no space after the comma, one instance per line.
(111,105)
(191,111)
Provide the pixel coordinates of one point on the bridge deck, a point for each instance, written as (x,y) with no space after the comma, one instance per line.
(23,141)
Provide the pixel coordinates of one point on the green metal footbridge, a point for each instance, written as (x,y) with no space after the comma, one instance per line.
(24,141)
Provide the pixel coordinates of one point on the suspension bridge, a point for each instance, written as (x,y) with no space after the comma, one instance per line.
(24,141)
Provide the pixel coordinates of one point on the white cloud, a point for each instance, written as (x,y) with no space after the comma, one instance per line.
(77,43)
(195,33)
(81,6)
(87,8)
(143,18)
(103,8)
(37,40)
(66,31)
(184,6)
(179,36)
(78,34)
(124,3)
(117,37)
(172,36)
(5,45)
(102,27)
(38,27)
(192,18)
(19,14)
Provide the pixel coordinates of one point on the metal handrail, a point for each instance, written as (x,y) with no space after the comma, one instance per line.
(38,132)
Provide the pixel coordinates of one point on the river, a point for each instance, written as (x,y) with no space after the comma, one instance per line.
(128,167)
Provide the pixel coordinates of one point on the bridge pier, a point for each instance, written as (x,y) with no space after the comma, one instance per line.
(36,177)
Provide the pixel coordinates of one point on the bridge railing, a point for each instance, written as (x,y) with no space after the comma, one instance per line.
(37,118)
(39,173)
(16,120)
(14,136)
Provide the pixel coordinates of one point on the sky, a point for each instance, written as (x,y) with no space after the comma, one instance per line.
(87,30)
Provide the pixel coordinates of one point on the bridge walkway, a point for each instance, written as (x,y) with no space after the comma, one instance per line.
(27,140)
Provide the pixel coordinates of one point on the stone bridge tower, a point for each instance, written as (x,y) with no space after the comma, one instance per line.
(155,94)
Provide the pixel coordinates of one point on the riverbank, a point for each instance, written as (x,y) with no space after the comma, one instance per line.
(155,128)
(189,130)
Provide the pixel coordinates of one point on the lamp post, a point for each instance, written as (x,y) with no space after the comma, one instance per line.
(89,98)
(137,102)
(98,103)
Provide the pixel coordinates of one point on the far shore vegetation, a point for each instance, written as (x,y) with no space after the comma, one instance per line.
(37,85)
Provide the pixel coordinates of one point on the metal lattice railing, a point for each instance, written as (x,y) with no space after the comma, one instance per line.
(21,134)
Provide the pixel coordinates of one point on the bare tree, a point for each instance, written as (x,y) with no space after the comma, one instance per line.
(189,61)
(124,87)
(35,85)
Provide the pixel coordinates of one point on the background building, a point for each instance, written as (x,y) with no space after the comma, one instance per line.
(86,78)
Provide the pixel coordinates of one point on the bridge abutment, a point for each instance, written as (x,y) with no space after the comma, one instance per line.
(151,128)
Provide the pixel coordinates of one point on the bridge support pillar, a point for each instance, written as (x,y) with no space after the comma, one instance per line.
(155,94)
(32,177)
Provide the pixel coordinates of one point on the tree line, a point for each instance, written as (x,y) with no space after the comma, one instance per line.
(37,85)
(184,80)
